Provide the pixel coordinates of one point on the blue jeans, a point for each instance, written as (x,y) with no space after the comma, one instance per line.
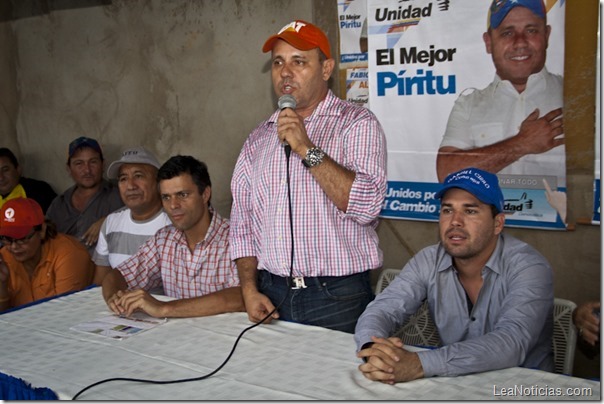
(334,302)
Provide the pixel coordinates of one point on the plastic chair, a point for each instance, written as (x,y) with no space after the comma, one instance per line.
(386,276)
(564,340)
(419,329)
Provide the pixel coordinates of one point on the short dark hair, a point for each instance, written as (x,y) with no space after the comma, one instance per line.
(494,210)
(177,165)
(322,56)
(5,152)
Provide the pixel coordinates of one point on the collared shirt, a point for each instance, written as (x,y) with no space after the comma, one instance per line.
(511,323)
(71,221)
(495,113)
(327,241)
(17,192)
(121,236)
(64,266)
(165,260)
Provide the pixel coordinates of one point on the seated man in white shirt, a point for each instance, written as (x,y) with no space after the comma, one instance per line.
(491,295)
(126,229)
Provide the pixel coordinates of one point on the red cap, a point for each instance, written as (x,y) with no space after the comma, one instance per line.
(18,216)
(301,35)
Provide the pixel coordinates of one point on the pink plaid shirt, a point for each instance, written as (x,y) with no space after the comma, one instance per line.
(165,259)
(327,241)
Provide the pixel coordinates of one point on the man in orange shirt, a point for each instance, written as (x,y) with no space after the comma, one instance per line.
(35,261)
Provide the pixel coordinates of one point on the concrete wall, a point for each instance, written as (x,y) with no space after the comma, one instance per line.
(180,77)
(8,82)
(188,77)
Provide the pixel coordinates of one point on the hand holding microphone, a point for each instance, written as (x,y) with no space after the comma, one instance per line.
(286,101)
(290,127)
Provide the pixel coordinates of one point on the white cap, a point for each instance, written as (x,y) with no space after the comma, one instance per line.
(133,155)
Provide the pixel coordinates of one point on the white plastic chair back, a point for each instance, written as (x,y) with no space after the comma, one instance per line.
(564,340)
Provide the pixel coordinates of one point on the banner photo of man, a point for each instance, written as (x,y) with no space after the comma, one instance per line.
(471,83)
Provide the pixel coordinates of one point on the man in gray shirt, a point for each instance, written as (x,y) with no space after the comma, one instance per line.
(81,209)
(490,295)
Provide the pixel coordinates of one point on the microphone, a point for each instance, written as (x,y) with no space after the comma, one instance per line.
(286,101)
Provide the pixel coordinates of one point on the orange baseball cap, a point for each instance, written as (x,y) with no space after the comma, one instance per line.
(18,216)
(301,35)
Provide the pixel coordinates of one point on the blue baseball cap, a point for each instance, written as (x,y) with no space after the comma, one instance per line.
(500,8)
(83,142)
(482,184)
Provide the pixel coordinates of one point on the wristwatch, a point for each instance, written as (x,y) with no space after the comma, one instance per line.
(314,157)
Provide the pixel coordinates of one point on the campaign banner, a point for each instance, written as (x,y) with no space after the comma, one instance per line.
(357,89)
(352,21)
(597,202)
(424,56)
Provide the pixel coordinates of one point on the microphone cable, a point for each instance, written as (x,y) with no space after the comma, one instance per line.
(287,149)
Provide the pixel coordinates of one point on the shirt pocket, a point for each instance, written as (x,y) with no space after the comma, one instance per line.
(44,284)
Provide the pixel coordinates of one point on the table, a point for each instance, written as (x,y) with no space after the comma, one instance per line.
(280,361)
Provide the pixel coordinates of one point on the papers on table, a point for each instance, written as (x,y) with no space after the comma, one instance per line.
(120,327)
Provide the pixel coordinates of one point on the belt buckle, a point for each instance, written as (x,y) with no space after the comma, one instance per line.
(298,282)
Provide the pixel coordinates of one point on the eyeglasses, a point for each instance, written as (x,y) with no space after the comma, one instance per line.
(19,241)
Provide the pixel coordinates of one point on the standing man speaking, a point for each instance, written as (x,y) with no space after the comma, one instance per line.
(306,221)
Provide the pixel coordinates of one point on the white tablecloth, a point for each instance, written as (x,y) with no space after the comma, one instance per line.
(280,361)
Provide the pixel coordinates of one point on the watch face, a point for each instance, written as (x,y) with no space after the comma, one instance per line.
(314,157)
